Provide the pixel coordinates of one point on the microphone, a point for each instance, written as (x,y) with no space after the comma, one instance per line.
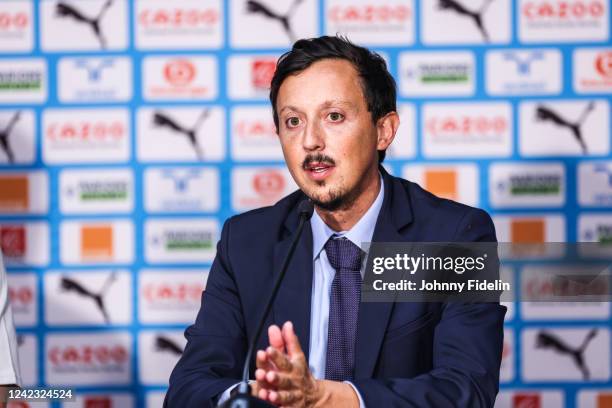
(243,397)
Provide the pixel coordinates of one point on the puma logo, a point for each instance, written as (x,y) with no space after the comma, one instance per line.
(5,133)
(256,7)
(475,16)
(544,114)
(72,285)
(164,121)
(163,343)
(64,9)
(550,341)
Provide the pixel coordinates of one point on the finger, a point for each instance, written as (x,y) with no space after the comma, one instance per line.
(275,338)
(294,349)
(262,361)
(260,375)
(279,380)
(264,394)
(279,359)
(284,397)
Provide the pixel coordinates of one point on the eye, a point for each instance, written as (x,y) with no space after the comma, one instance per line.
(292,122)
(335,116)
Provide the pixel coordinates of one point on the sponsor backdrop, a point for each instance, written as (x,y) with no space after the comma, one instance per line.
(130,130)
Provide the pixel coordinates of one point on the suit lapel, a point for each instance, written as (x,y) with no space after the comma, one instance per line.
(395,214)
(293,299)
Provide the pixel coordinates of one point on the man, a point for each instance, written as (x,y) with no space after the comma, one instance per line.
(9,365)
(335,111)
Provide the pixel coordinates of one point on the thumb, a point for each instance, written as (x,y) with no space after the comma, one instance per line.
(275,338)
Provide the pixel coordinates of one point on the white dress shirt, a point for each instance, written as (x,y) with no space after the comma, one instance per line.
(9,364)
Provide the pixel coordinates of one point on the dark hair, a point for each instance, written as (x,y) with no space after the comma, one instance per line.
(377,83)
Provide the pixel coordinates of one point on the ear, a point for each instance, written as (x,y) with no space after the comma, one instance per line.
(386,127)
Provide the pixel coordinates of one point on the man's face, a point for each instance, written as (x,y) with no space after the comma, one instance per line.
(326,133)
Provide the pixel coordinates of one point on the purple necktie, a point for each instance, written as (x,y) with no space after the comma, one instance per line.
(345,258)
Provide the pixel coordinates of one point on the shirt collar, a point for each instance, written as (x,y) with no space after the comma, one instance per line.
(361,232)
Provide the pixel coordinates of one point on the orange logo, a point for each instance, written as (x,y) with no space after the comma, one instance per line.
(604,400)
(179,72)
(526,401)
(442,183)
(269,183)
(98,402)
(96,242)
(524,231)
(14,195)
(262,71)
(603,64)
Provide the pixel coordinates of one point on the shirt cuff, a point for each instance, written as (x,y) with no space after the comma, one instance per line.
(361,404)
(226,394)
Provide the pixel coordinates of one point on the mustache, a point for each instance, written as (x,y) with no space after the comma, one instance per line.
(317,158)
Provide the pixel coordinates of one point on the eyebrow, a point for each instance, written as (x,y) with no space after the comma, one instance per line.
(324,105)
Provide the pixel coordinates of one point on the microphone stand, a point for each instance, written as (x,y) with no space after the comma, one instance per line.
(243,398)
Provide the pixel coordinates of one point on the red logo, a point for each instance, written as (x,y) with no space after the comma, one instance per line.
(173,292)
(88,355)
(94,131)
(466,125)
(17,21)
(563,9)
(526,401)
(13,241)
(369,14)
(98,402)
(603,64)
(269,183)
(257,129)
(262,71)
(179,72)
(178,18)
(20,297)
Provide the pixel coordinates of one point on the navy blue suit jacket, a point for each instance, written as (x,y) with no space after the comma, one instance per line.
(407,354)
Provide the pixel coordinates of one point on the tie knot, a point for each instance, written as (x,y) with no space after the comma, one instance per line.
(343,254)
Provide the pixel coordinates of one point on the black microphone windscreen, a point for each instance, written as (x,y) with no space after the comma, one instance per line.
(306,209)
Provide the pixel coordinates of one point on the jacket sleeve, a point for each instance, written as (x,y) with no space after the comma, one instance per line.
(216,342)
(468,344)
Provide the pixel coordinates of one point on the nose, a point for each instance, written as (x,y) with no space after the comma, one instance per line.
(313,137)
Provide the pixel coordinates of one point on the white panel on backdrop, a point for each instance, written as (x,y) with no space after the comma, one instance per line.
(254,135)
(249,76)
(89,135)
(101,400)
(457,182)
(592,70)
(600,398)
(447,73)
(181,134)
(24,192)
(566,354)
(25,243)
(99,79)
(170,296)
(23,296)
(181,189)
(27,345)
(529,398)
(87,242)
(88,358)
(467,129)
(563,21)
(506,370)
(155,399)
(516,184)
(530,228)
(254,187)
(541,282)
(180,240)
(17,27)
(524,72)
(94,25)
(23,81)
(162,349)
(98,298)
(368,22)
(564,127)
(596,227)
(595,183)
(178,24)
(179,77)
(18,130)
(404,144)
(466,22)
(267,23)
(94,191)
